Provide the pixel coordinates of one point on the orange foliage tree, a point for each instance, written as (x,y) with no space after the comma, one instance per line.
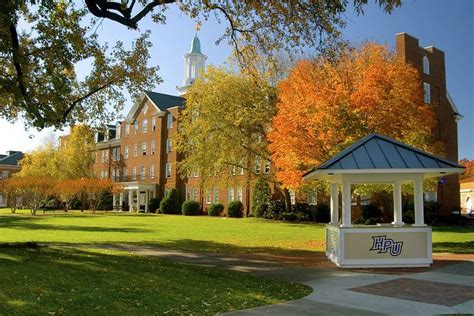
(469,171)
(326,104)
(95,191)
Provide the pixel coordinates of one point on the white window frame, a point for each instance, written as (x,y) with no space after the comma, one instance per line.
(134,173)
(152,147)
(144,126)
(168,170)
(142,172)
(231,196)
(240,194)
(208,197)
(258,165)
(267,167)
(426,65)
(136,127)
(152,171)
(169,145)
(426,92)
(125,152)
(195,194)
(135,150)
(143,149)
(153,124)
(216,195)
(169,121)
(127,130)
(292,197)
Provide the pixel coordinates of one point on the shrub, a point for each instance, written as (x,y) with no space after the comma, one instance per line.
(235,209)
(289,216)
(408,216)
(153,205)
(274,209)
(371,221)
(430,212)
(321,213)
(215,209)
(261,197)
(190,208)
(170,204)
(371,211)
(302,211)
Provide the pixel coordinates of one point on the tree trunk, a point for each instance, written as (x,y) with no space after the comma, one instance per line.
(286,195)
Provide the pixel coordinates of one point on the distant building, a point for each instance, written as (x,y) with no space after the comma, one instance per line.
(9,164)
(467,194)
(431,65)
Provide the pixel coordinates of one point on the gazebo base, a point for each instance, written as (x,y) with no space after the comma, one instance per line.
(379,247)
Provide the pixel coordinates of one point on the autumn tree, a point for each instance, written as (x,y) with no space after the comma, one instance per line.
(77,152)
(469,171)
(34,191)
(223,128)
(327,104)
(41,44)
(95,191)
(45,161)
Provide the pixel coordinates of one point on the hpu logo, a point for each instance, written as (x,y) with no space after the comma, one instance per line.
(384,244)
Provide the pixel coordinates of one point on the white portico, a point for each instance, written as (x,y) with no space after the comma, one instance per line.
(134,196)
(379,159)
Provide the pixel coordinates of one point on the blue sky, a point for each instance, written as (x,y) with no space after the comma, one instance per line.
(447,25)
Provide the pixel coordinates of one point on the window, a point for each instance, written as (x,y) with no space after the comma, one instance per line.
(239,194)
(216,195)
(136,128)
(292,197)
(208,197)
(426,92)
(135,150)
(115,155)
(127,130)
(152,145)
(125,172)
(106,155)
(142,172)
(241,169)
(168,170)
(113,174)
(134,173)
(152,171)
(153,124)
(125,152)
(102,156)
(144,125)
(258,165)
(106,174)
(169,120)
(426,65)
(102,174)
(312,197)
(195,194)
(119,130)
(231,194)
(232,170)
(145,109)
(188,194)
(169,145)
(144,149)
(267,167)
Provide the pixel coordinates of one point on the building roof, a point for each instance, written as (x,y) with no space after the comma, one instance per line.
(164,101)
(195,46)
(376,151)
(12,159)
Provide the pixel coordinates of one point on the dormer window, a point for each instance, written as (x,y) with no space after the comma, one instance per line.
(426,65)
(145,109)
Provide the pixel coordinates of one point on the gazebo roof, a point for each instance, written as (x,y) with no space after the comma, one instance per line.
(376,153)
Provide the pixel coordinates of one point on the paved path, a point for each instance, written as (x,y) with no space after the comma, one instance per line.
(336,291)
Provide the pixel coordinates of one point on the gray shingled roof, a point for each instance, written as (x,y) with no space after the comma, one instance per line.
(164,101)
(380,152)
(12,160)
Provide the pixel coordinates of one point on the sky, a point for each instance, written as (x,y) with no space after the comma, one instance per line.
(447,25)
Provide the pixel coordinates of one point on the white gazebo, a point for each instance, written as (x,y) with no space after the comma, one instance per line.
(379,159)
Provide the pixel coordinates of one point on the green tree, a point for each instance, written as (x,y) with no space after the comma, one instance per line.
(41,44)
(224,127)
(261,197)
(44,161)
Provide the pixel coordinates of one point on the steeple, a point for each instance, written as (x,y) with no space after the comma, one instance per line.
(194,64)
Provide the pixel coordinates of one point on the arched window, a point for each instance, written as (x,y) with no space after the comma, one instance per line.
(426,65)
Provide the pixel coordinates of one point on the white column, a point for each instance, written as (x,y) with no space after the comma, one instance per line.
(418,199)
(397,204)
(120,201)
(334,204)
(130,200)
(346,203)
(114,202)
(147,194)
(138,200)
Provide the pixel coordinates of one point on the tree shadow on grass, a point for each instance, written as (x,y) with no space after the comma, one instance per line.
(80,281)
(466,247)
(35,223)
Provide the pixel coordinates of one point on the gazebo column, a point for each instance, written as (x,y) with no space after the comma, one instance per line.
(346,203)
(334,204)
(397,204)
(147,194)
(114,201)
(418,199)
(138,200)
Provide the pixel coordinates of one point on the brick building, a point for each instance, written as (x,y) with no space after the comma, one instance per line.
(9,164)
(140,152)
(431,65)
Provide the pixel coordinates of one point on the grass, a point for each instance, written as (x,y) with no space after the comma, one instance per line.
(200,233)
(100,282)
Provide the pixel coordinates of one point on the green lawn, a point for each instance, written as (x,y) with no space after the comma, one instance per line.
(58,281)
(200,233)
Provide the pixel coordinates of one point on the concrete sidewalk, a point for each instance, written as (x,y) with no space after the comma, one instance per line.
(447,290)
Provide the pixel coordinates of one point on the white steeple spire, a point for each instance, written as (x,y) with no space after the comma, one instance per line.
(194,64)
